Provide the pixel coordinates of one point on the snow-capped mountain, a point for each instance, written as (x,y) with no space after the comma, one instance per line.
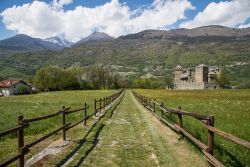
(25,43)
(59,40)
(96,36)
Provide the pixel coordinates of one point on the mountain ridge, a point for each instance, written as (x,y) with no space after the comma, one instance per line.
(25,43)
(96,36)
(212,30)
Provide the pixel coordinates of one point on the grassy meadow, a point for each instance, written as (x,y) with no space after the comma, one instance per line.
(231,109)
(38,105)
(127,136)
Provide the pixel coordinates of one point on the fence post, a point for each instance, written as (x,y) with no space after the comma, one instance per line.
(85,114)
(162,113)
(210,122)
(63,123)
(20,137)
(100,104)
(154,105)
(150,103)
(180,120)
(95,107)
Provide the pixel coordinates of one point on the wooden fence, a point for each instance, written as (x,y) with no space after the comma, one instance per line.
(22,124)
(208,123)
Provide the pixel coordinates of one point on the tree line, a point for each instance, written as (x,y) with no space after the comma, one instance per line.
(75,78)
(55,78)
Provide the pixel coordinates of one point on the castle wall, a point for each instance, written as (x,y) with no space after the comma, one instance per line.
(195,85)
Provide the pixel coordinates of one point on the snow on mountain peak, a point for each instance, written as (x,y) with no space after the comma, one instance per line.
(60,40)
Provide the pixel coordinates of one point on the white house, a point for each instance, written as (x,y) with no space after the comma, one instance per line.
(14,87)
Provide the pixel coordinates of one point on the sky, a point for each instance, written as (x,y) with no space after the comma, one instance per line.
(76,19)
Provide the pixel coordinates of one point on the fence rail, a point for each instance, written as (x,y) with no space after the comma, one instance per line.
(22,124)
(207,120)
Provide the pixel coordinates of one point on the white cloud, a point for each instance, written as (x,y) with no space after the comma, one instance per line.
(39,19)
(61,3)
(228,13)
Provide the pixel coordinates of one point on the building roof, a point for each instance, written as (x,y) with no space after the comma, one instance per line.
(211,73)
(178,67)
(213,67)
(202,65)
(9,83)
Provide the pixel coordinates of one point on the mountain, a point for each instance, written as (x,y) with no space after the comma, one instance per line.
(25,43)
(96,36)
(150,51)
(59,40)
(212,30)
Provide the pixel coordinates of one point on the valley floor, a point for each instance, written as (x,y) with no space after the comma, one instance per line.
(131,136)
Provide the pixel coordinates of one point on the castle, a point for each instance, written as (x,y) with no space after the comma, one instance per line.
(203,77)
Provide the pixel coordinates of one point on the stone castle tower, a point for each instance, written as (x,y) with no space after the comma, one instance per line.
(201,73)
(177,73)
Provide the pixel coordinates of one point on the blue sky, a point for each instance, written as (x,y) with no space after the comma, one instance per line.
(46,18)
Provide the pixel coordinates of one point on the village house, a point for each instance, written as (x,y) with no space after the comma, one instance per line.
(14,87)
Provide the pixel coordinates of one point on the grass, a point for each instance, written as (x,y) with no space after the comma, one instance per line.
(38,105)
(128,137)
(231,109)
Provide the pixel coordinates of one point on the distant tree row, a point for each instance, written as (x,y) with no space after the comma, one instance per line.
(55,78)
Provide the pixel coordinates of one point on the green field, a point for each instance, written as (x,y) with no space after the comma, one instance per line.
(131,137)
(231,109)
(127,135)
(38,105)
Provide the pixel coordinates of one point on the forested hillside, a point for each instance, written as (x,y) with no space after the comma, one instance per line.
(144,53)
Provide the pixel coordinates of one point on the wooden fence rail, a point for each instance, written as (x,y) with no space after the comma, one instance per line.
(25,123)
(207,120)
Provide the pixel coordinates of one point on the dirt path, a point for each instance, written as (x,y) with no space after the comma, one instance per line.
(133,137)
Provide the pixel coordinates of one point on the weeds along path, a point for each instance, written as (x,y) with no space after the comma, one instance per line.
(133,137)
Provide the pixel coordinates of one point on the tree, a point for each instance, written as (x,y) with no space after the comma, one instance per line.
(169,81)
(100,78)
(222,79)
(55,78)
